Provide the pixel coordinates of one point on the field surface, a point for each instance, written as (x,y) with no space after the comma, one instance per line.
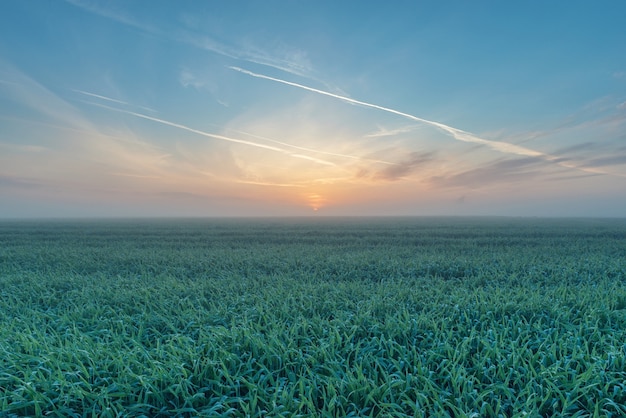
(313,317)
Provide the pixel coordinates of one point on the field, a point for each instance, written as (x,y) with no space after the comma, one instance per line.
(313,317)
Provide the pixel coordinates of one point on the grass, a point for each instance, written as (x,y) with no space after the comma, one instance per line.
(336,317)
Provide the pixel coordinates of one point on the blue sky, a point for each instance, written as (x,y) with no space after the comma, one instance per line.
(279,108)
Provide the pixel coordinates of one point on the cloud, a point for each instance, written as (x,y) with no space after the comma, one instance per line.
(100,97)
(119,16)
(252,143)
(458,134)
(19,182)
(382,132)
(283,57)
(70,142)
(9,83)
(317,160)
(404,168)
(316,151)
(187,79)
(585,146)
(216,136)
(607,161)
(140,176)
(76,141)
(110,99)
(501,170)
(602,156)
(23,148)
(180,195)
(264,183)
(40,99)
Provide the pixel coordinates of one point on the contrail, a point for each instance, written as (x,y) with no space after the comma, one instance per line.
(317,160)
(334,154)
(99,96)
(383,132)
(195,131)
(458,134)
(241,141)
(215,136)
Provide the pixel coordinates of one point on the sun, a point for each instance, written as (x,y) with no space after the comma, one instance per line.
(315,201)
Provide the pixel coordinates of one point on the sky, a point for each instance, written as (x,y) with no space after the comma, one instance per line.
(312,108)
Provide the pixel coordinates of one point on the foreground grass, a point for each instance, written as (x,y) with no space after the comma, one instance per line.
(414,317)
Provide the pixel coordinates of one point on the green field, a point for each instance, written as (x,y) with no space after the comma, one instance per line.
(313,317)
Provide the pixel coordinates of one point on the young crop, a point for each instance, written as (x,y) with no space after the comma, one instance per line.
(340,317)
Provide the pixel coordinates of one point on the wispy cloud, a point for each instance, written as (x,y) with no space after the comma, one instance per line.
(23,147)
(19,182)
(100,97)
(188,79)
(283,57)
(405,167)
(110,99)
(123,149)
(605,113)
(264,183)
(286,59)
(458,134)
(140,176)
(280,149)
(68,141)
(30,93)
(215,136)
(316,151)
(10,83)
(607,161)
(108,12)
(509,171)
(317,160)
(382,132)
(585,146)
